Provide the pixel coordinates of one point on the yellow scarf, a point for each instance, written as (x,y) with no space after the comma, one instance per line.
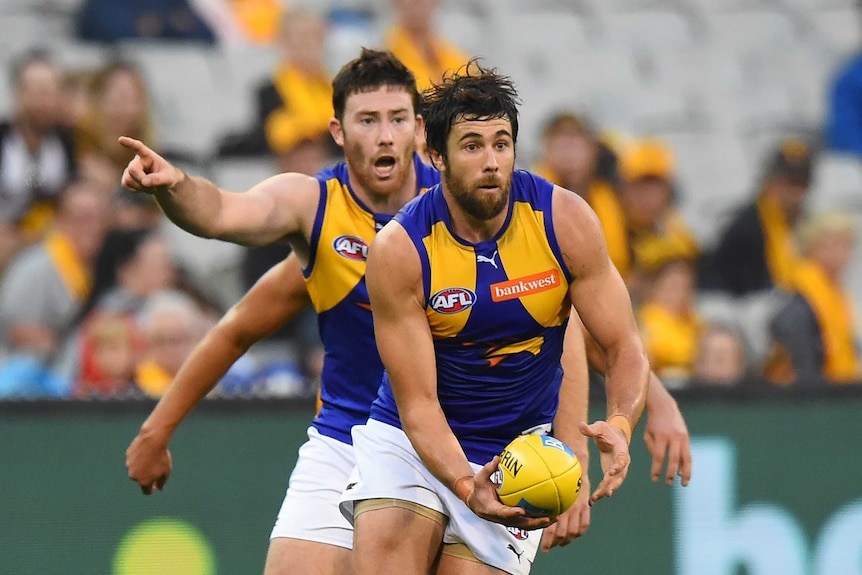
(306,112)
(73,273)
(835,316)
(447,57)
(781,254)
(151,378)
(670,340)
(602,198)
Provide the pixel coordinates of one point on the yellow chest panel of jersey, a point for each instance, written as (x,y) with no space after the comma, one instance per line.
(485,280)
(346,232)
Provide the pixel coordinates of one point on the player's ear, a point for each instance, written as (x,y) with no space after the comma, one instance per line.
(420,126)
(337,131)
(437,160)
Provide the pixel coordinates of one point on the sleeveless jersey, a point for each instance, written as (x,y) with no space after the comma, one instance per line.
(335,277)
(497,311)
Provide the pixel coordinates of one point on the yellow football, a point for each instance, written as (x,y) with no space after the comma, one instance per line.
(539,473)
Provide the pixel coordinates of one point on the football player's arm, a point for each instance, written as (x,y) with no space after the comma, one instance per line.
(665,434)
(277,297)
(601,299)
(280,206)
(394,278)
(573,409)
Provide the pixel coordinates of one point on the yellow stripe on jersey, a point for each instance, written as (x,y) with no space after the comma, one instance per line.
(523,249)
(454,266)
(339,263)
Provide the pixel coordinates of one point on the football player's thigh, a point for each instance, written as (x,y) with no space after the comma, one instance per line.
(288,556)
(391,540)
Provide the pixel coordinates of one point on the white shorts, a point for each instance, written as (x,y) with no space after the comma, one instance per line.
(310,508)
(387,467)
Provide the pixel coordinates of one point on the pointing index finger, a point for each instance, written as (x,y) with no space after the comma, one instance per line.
(136,146)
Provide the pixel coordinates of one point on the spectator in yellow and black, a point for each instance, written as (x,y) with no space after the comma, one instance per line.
(414,41)
(656,231)
(757,251)
(815,335)
(295,104)
(572,156)
(36,153)
(670,326)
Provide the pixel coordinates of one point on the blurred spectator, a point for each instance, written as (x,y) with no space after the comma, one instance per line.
(412,38)
(36,152)
(669,323)
(573,157)
(118,106)
(45,287)
(110,21)
(133,265)
(757,250)
(721,357)
(815,333)
(109,349)
(656,231)
(171,324)
(294,105)
(75,98)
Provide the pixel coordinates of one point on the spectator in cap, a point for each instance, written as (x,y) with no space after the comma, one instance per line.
(816,339)
(656,231)
(574,158)
(757,250)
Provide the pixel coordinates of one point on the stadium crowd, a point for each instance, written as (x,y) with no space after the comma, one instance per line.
(100,296)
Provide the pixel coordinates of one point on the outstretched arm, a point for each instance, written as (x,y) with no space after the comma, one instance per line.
(277,297)
(665,435)
(281,206)
(573,409)
(600,297)
(394,279)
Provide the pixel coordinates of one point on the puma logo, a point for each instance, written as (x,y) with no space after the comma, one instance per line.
(515,551)
(484,259)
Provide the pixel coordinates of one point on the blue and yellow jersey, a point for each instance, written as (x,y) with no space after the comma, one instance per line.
(497,311)
(335,277)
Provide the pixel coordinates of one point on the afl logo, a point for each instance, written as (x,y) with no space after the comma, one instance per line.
(497,478)
(351,247)
(452,300)
(518,533)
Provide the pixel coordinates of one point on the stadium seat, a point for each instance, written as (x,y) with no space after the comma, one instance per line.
(837,183)
(659,31)
(239,71)
(754,30)
(188,102)
(714,178)
(840,30)
(467,31)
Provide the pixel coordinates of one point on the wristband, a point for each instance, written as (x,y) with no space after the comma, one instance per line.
(621,422)
(461,489)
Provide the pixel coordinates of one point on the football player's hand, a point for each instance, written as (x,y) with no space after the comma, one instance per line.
(148,172)
(483,501)
(615,458)
(667,435)
(573,522)
(149,462)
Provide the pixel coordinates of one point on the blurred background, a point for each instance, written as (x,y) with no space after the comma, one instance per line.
(719,142)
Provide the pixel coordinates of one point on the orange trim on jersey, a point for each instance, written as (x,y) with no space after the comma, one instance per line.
(527,285)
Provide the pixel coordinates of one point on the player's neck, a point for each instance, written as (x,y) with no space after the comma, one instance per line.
(390,202)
